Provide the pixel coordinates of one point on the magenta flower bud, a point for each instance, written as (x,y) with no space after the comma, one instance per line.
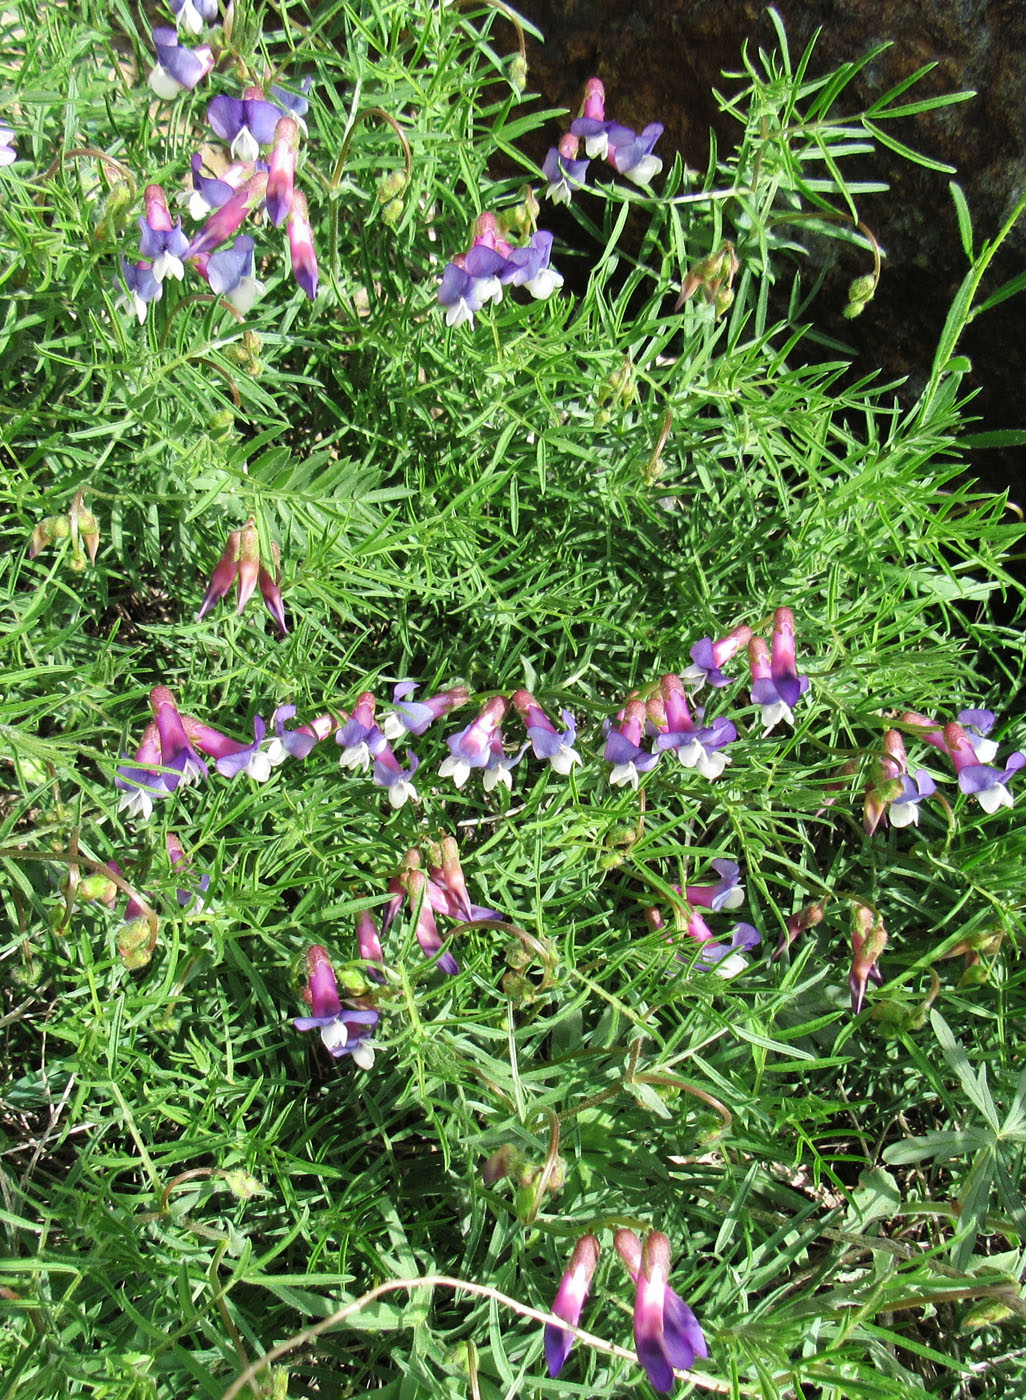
(569,1301)
(249,562)
(223,576)
(415,884)
(868,941)
(157,214)
(282,171)
(270,590)
(304,259)
(370,943)
(594,100)
(784,669)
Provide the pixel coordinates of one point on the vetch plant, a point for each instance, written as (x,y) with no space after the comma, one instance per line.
(573,509)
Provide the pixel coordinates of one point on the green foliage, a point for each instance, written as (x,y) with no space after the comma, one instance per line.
(565,496)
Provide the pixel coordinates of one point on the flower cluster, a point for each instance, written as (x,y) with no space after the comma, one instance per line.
(171,753)
(440,889)
(726,893)
(667,1335)
(968,745)
(241,563)
(263,135)
(491,263)
(628,152)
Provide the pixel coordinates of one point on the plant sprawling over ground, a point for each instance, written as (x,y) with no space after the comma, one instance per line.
(506,752)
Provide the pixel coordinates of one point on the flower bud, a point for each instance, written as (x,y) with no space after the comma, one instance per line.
(518,72)
(243,1185)
(135,944)
(392,213)
(391,186)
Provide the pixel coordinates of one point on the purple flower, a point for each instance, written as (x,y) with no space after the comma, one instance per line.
(193,15)
(208,194)
(695,747)
(343,1031)
(179,760)
(667,1335)
(727,893)
(390,774)
(547,742)
(592,124)
(978,724)
(531,268)
(141,288)
(139,781)
(295,103)
(725,959)
(632,155)
(8,154)
(988,784)
(232,756)
(469,282)
(475,746)
(178,69)
(563,170)
(246,123)
(229,272)
(570,1299)
(708,656)
(623,746)
(298,742)
(414,716)
(228,219)
(904,808)
(360,738)
(161,241)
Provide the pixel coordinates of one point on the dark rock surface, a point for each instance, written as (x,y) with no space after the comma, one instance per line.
(660,60)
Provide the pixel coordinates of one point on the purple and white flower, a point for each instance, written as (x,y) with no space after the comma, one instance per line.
(531,268)
(623,746)
(393,777)
(667,1335)
(193,15)
(727,893)
(178,69)
(564,172)
(360,738)
(696,745)
(708,656)
(414,716)
(475,745)
(343,1031)
(549,743)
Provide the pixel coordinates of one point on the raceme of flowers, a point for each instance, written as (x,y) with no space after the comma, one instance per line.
(667,1335)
